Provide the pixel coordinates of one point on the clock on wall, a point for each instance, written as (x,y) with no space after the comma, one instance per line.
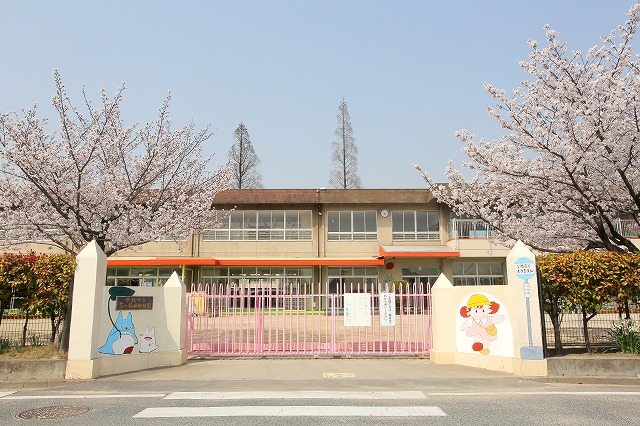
(384,212)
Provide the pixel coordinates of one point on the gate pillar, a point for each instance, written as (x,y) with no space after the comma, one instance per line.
(443,329)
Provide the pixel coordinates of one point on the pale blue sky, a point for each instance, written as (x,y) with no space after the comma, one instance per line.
(411,72)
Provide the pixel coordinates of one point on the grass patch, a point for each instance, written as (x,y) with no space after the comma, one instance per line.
(33,352)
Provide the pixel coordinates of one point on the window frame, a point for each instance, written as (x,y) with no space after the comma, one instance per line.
(476,278)
(352,225)
(412,228)
(262,225)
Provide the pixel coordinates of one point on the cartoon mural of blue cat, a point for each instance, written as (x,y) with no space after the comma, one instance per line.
(122,337)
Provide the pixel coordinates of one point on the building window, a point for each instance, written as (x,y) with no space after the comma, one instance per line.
(262,225)
(251,276)
(478,273)
(412,225)
(139,276)
(348,279)
(426,275)
(352,226)
(251,287)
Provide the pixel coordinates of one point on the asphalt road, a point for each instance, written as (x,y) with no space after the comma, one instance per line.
(322,392)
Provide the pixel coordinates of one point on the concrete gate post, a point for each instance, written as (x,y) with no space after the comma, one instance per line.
(86,311)
(443,324)
(121,329)
(496,327)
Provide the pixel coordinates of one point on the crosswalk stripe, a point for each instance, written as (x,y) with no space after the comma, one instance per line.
(297,395)
(541,393)
(290,411)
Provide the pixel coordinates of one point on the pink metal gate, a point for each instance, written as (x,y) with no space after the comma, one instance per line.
(293,319)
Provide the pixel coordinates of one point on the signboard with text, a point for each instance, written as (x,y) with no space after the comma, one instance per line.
(357,309)
(134,303)
(387,309)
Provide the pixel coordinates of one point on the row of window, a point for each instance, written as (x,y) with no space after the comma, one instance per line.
(249,225)
(262,225)
(464,273)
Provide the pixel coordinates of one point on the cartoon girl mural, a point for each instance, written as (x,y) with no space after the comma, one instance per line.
(480,323)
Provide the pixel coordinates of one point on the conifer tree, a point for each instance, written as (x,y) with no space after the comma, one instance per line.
(244,161)
(344,157)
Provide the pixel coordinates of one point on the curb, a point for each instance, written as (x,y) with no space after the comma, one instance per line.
(31,384)
(594,380)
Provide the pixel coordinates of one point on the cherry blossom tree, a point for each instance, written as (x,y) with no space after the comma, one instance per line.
(96,179)
(568,166)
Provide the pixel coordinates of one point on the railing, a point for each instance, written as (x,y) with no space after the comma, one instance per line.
(469,228)
(628,228)
(476,228)
(572,334)
(18,330)
(254,234)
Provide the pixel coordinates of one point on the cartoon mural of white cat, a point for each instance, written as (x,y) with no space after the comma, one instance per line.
(148,340)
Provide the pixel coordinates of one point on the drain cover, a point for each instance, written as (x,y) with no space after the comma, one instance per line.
(55,412)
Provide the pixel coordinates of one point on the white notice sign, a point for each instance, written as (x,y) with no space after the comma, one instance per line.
(357,310)
(387,309)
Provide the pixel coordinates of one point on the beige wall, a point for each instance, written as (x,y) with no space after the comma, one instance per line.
(91,323)
(451,344)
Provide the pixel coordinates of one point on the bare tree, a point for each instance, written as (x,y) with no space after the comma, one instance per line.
(345,153)
(244,161)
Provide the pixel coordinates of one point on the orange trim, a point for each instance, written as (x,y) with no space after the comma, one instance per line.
(168,261)
(300,262)
(189,261)
(420,254)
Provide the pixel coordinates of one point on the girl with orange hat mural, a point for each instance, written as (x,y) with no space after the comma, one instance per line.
(480,322)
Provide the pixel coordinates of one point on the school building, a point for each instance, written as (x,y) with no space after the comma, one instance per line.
(330,236)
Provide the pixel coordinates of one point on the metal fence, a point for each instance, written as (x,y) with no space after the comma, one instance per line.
(296,319)
(572,334)
(17,330)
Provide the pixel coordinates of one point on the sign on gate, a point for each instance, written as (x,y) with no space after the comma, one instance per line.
(357,310)
(387,309)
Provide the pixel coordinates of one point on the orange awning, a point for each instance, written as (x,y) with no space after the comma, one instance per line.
(420,252)
(195,261)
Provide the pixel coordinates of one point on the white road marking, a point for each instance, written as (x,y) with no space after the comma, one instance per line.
(3,394)
(88,396)
(578,393)
(297,395)
(290,411)
(338,375)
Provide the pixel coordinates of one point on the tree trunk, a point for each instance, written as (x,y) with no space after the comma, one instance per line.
(63,342)
(556,321)
(627,310)
(585,327)
(24,329)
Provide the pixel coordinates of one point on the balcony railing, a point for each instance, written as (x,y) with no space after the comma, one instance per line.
(476,228)
(469,228)
(628,228)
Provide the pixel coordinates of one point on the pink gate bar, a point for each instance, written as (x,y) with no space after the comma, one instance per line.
(266,319)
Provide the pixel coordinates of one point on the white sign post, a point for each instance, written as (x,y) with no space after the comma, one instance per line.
(526,269)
